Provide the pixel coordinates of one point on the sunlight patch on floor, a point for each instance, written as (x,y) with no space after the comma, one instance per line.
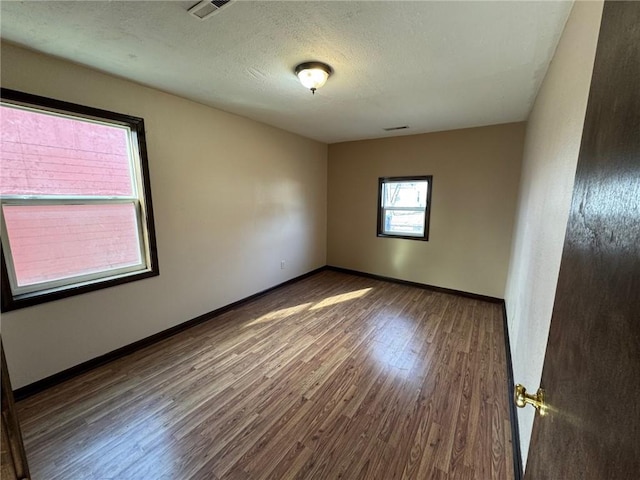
(279,314)
(343,297)
(326,302)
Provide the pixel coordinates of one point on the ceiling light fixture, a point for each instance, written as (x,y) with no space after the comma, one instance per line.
(313,75)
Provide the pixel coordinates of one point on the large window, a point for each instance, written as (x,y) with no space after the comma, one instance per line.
(76,205)
(404,204)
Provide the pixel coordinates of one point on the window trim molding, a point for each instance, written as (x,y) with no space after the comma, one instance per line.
(136,124)
(427,211)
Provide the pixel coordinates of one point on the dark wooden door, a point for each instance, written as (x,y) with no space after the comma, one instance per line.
(14,460)
(592,366)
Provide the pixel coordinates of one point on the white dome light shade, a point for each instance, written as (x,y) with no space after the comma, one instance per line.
(313,75)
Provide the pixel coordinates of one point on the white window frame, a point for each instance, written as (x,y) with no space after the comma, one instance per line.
(15,296)
(382,208)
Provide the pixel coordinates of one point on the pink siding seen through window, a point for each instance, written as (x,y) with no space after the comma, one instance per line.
(52,242)
(50,155)
(45,154)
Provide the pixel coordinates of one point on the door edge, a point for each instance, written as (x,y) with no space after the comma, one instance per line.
(513,416)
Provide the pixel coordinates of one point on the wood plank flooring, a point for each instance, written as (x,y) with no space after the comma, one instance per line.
(333,377)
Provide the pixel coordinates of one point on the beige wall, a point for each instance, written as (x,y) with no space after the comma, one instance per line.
(475,181)
(232,198)
(554,132)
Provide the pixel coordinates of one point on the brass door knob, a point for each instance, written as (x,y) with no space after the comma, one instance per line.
(521,397)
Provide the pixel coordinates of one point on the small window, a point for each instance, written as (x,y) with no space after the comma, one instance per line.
(404,204)
(75,200)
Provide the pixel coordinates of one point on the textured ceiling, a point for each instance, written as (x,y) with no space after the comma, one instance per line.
(430,65)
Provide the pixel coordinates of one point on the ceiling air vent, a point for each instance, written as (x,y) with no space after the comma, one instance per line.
(204,9)
(391,129)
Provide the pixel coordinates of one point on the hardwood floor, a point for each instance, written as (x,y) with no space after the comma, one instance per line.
(333,377)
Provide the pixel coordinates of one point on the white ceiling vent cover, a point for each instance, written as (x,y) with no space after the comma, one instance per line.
(206,8)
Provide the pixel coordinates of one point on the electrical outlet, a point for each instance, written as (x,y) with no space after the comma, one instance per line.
(281,264)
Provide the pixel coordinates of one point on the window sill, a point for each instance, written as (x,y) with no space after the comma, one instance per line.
(10,302)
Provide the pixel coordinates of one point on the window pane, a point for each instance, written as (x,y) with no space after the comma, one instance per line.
(405,194)
(45,154)
(404,222)
(53,242)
